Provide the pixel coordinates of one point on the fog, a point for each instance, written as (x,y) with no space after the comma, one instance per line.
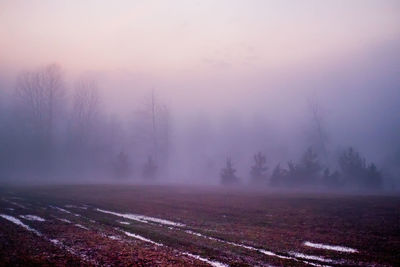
(181,101)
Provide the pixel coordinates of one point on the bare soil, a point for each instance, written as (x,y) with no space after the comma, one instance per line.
(226,226)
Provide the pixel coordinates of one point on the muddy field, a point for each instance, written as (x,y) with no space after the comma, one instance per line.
(186,226)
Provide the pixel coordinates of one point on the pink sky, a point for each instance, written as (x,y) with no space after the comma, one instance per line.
(174,37)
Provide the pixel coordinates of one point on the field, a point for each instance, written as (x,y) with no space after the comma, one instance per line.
(186,226)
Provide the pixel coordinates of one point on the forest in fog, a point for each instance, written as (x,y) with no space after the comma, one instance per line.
(275,93)
(53,130)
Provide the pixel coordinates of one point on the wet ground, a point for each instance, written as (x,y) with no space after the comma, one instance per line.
(186,226)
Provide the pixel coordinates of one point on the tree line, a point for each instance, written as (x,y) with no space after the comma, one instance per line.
(308,172)
(50,130)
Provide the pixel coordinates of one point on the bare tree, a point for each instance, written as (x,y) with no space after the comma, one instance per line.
(152,129)
(319,134)
(40,93)
(85,110)
(160,126)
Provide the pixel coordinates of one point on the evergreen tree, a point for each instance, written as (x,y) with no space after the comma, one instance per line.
(228,175)
(304,173)
(259,169)
(356,173)
(278,176)
(373,179)
(310,168)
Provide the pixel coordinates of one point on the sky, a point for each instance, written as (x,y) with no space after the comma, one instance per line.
(238,59)
(177,37)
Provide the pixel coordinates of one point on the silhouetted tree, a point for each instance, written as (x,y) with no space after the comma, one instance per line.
(228,175)
(319,133)
(152,129)
(39,98)
(310,167)
(373,179)
(304,173)
(351,163)
(40,93)
(259,169)
(85,111)
(356,173)
(278,176)
(293,174)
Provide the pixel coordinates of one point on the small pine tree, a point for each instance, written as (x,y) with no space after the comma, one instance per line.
(356,173)
(228,174)
(259,169)
(352,165)
(310,168)
(373,179)
(278,176)
(310,161)
(150,169)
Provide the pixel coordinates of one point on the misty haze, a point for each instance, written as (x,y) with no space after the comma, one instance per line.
(198,133)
